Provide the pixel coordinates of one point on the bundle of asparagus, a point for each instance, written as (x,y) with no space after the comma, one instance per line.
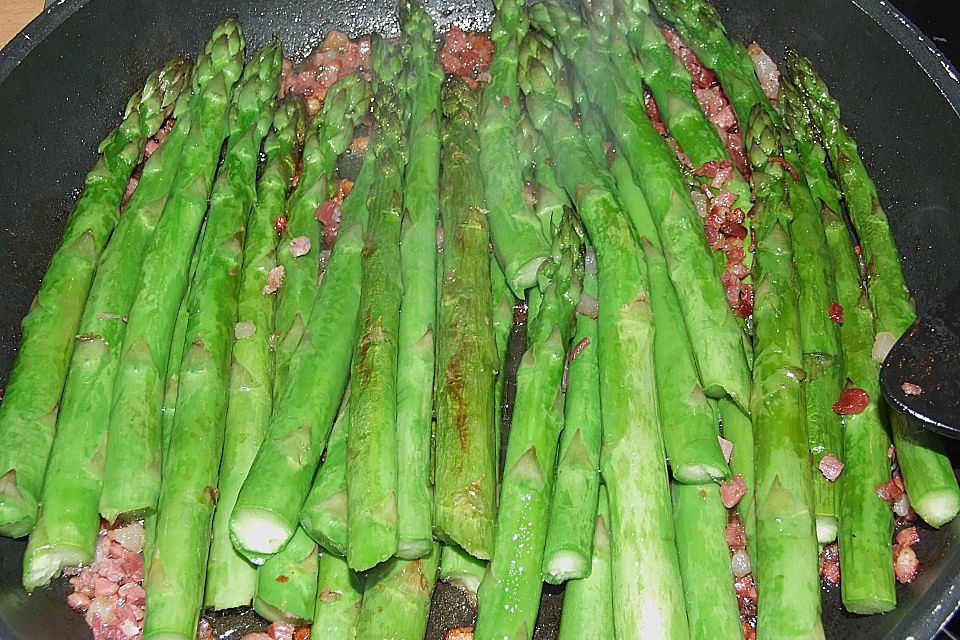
(294,431)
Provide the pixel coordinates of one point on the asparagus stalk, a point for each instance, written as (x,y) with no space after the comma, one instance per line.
(268,506)
(588,601)
(646,580)
(509,595)
(372,436)
(418,267)
(69,522)
(715,337)
(822,360)
(231,579)
(568,551)
(396,600)
(927,471)
(330,133)
(170,393)
(699,25)
(518,241)
(287,582)
(324,513)
(465,439)
(688,423)
(339,598)
(177,574)
(866,520)
(786,534)
(28,415)
(701,521)
(462,570)
(134,426)
(812,156)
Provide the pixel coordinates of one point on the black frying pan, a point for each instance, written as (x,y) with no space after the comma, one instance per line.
(64,80)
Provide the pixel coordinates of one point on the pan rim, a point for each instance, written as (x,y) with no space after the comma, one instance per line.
(937,607)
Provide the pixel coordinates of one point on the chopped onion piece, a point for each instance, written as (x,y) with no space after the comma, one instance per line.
(882,345)
(130,537)
(740,563)
(901,506)
(766,69)
(700,202)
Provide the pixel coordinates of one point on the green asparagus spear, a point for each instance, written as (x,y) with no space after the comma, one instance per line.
(462,570)
(588,601)
(372,436)
(701,521)
(866,520)
(509,595)
(418,313)
(927,471)
(170,393)
(177,574)
(465,437)
(324,514)
(646,578)
(573,509)
(28,415)
(822,360)
(396,600)
(689,425)
(268,506)
(134,427)
(518,240)
(786,534)
(330,133)
(699,25)
(287,582)
(339,598)
(231,579)
(69,520)
(812,156)
(715,337)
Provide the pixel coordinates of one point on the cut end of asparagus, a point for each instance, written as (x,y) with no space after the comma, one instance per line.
(466,583)
(17,517)
(566,565)
(14,523)
(937,508)
(826,529)
(868,605)
(44,565)
(413,549)
(700,473)
(258,533)
(273,614)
